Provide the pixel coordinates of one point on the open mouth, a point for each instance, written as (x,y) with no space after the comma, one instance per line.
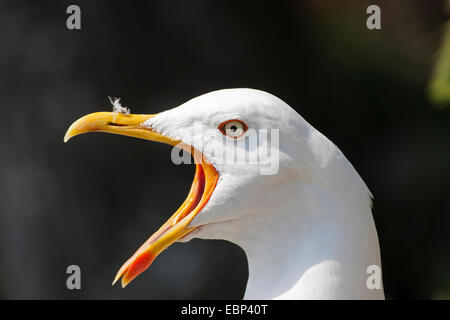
(177,226)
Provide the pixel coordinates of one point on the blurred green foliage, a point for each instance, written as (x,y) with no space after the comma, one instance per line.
(439,87)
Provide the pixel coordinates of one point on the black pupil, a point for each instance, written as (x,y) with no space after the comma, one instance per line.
(233,128)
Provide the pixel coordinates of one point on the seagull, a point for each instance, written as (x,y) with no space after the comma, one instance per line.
(299,209)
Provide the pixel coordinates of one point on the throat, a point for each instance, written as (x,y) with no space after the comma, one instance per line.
(299,254)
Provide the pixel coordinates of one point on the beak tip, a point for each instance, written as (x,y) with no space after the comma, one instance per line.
(116,279)
(69,134)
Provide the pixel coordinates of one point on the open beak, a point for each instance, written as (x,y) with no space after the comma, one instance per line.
(177,226)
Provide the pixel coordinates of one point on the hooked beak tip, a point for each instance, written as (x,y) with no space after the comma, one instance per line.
(66,138)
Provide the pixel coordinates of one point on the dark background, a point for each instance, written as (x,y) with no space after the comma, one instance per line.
(93,201)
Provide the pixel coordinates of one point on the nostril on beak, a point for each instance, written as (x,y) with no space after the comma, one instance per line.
(116,124)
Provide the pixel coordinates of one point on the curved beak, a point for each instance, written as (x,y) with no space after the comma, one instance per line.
(118,123)
(177,226)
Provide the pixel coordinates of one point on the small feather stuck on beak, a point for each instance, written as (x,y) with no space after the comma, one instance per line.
(117,106)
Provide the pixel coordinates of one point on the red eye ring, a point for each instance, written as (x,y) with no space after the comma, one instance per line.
(233,128)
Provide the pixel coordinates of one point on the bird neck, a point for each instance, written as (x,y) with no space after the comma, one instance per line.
(319,246)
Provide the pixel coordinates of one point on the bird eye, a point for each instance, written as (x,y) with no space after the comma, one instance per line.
(233,128)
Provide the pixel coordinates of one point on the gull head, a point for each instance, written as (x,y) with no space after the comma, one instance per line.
(250,150)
